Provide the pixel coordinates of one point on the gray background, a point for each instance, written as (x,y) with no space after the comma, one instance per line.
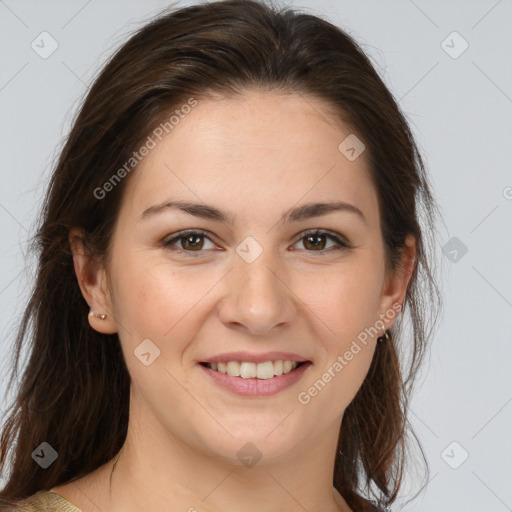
(460,108)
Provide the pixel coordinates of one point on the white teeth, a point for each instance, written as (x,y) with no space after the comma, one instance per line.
(233,368)
(248,370)
(265,370)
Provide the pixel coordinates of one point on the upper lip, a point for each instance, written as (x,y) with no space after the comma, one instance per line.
(251,357)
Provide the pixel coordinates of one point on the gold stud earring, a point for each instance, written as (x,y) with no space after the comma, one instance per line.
(101,316)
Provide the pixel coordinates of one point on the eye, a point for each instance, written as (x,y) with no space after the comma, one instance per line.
(311,239)
(192,241)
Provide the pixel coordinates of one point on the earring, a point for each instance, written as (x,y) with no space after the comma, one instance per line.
(101,316)
(384,337)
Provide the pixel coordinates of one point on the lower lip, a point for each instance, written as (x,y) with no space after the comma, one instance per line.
(257,387)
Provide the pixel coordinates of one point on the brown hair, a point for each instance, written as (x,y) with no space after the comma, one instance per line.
(74,390)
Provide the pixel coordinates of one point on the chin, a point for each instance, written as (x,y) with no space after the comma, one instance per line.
(251,445)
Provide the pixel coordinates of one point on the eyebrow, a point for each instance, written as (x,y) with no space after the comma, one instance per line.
(296,214)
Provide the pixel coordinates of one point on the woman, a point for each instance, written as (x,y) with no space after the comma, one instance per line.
(228,241)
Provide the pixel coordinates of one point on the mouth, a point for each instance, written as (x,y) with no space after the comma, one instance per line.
(255,380)
(256,371)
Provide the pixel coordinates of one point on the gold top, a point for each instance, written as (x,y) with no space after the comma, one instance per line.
(49,501)
(46,501)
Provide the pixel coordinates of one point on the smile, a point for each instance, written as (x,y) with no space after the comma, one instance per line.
(250,370)
(255,379)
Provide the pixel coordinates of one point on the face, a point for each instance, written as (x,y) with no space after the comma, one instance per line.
(259,281)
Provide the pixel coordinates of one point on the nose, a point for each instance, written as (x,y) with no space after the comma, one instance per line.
(257,299)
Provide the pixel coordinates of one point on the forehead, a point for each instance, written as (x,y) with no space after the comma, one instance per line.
(251,152)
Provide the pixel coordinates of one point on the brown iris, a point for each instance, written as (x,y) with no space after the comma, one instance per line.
(190,238)
(314,245)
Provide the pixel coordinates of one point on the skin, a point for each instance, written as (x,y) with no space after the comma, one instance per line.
(255,156)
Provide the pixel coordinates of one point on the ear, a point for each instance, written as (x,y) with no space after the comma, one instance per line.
(92,280)
(395,286)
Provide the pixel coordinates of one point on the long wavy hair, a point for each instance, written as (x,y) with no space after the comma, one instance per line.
(74,389)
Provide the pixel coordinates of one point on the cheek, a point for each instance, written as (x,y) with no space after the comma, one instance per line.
(333,386)
(339,377)
(156,299)
(345,381)
(345,300)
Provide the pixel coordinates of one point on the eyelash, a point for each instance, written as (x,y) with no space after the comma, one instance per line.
(342,244)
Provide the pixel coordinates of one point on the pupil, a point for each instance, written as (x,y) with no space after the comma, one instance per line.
(309,238)
(192,237)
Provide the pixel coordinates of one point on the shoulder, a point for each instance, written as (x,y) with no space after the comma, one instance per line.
(45,501)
